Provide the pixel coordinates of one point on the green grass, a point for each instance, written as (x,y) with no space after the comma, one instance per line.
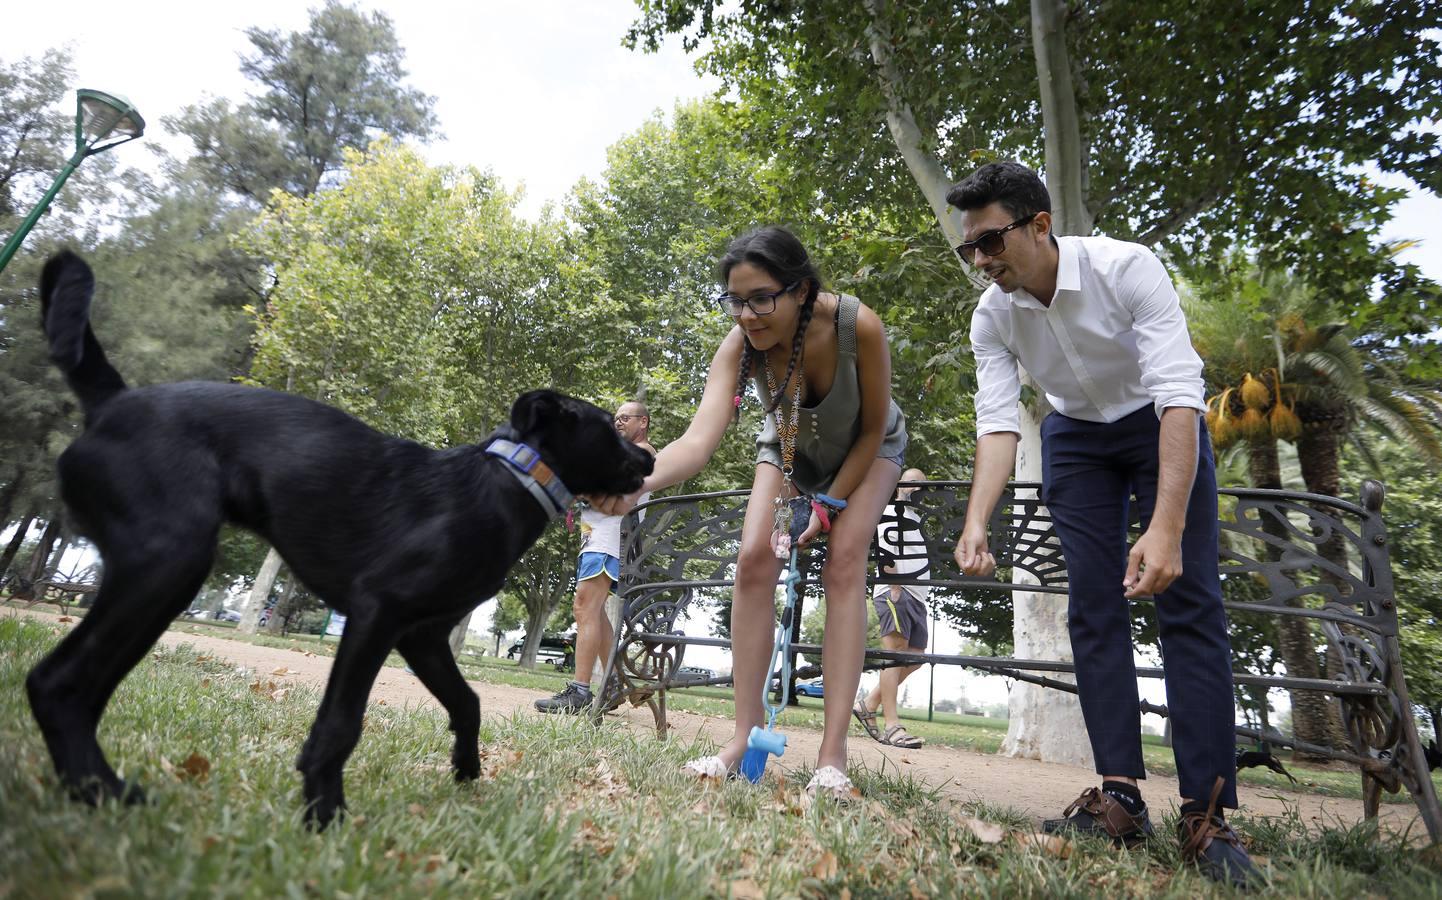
(975,733)
(563,809)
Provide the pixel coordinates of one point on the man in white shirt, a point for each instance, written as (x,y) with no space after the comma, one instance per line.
(1097,324)
(598,567)
(900,609)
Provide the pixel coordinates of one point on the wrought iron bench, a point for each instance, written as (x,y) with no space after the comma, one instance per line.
(1284,554)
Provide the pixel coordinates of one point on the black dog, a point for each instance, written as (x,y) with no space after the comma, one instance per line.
(401,538)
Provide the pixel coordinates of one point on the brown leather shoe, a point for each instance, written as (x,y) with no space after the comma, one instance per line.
(1210,844)
(1097,813)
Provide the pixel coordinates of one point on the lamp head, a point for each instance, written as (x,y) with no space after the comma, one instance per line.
(99,116)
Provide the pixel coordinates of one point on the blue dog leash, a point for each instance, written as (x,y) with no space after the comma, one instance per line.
(763,742)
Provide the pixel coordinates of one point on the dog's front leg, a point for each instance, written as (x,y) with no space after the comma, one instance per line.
(427,651)
(368,638)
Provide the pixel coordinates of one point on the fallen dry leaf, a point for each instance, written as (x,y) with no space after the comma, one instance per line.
(916,892)
(65,619)
(826,867)
(1050,844)
(435,861)
(195,767)
(982,830)
(282,671)
(416,809)
(745,889)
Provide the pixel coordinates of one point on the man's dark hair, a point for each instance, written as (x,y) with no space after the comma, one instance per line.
(1019,190)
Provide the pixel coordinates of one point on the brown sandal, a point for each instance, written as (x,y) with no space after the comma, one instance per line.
(867,720)
(898,736)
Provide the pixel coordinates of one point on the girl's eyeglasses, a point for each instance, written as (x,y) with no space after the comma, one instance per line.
(760,304)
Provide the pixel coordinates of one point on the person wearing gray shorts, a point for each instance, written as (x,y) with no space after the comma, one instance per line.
(902,611)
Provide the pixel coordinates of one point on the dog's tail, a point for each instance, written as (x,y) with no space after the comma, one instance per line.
(66,288)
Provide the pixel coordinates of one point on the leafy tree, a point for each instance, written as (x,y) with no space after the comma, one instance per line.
(1279,369)
(1225,104)
(333,87)
(414,298)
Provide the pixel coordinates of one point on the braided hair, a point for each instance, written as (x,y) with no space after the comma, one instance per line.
(777,252)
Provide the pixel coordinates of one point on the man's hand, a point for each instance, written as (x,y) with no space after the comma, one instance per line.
(1153,564)
(614,504)
(971,554)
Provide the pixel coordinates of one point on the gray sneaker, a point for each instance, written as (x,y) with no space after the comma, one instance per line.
(573,700)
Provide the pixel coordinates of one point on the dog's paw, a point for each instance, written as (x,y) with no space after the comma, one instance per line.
(467,765)
(94,790)
(320,814)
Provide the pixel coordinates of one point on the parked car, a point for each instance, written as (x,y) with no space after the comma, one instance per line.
(227,615)
(558,649)
(803,688)
(688,674)
(810,689)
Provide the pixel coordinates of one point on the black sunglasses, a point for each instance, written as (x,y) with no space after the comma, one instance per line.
(992,243)
(761,304)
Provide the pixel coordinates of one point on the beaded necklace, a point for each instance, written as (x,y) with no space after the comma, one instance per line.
(787,423)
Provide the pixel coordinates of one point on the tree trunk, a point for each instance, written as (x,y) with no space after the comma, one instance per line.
(925,169)
(58,551)
(259,593)
(1065,162)
(1319,452)
(1315,718)
(1043,723)
(16,542)
(458,634)
(8,496)
(42,550)
(536,616)
(282,609)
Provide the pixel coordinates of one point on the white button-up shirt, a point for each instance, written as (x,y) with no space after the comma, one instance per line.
(1113,339)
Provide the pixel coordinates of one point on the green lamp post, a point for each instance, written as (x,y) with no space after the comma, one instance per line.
(98,116)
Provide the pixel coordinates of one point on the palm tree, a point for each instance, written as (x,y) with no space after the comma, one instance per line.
(1274,375)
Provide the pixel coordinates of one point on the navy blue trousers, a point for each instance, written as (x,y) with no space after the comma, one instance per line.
(1090,472)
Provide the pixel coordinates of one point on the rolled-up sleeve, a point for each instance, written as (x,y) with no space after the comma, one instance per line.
(1171,370)
(998,389)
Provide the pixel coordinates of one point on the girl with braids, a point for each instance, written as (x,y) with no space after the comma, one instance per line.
(832,432)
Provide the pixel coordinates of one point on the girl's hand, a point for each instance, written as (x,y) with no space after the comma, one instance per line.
(813,528)
(614,504)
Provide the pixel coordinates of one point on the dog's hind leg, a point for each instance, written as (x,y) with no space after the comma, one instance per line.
(70,687)
(370,635)
(427,651)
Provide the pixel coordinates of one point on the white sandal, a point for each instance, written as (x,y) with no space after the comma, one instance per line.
(831,782)
(707,767)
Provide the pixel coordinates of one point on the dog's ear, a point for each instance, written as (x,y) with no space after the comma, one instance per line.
(535,410)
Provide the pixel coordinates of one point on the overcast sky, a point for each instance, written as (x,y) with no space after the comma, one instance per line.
(535,91)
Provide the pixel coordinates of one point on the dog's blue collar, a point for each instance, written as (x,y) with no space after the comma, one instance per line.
(530,470)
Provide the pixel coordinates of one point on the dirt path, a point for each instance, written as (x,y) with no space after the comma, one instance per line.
(1038,788)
